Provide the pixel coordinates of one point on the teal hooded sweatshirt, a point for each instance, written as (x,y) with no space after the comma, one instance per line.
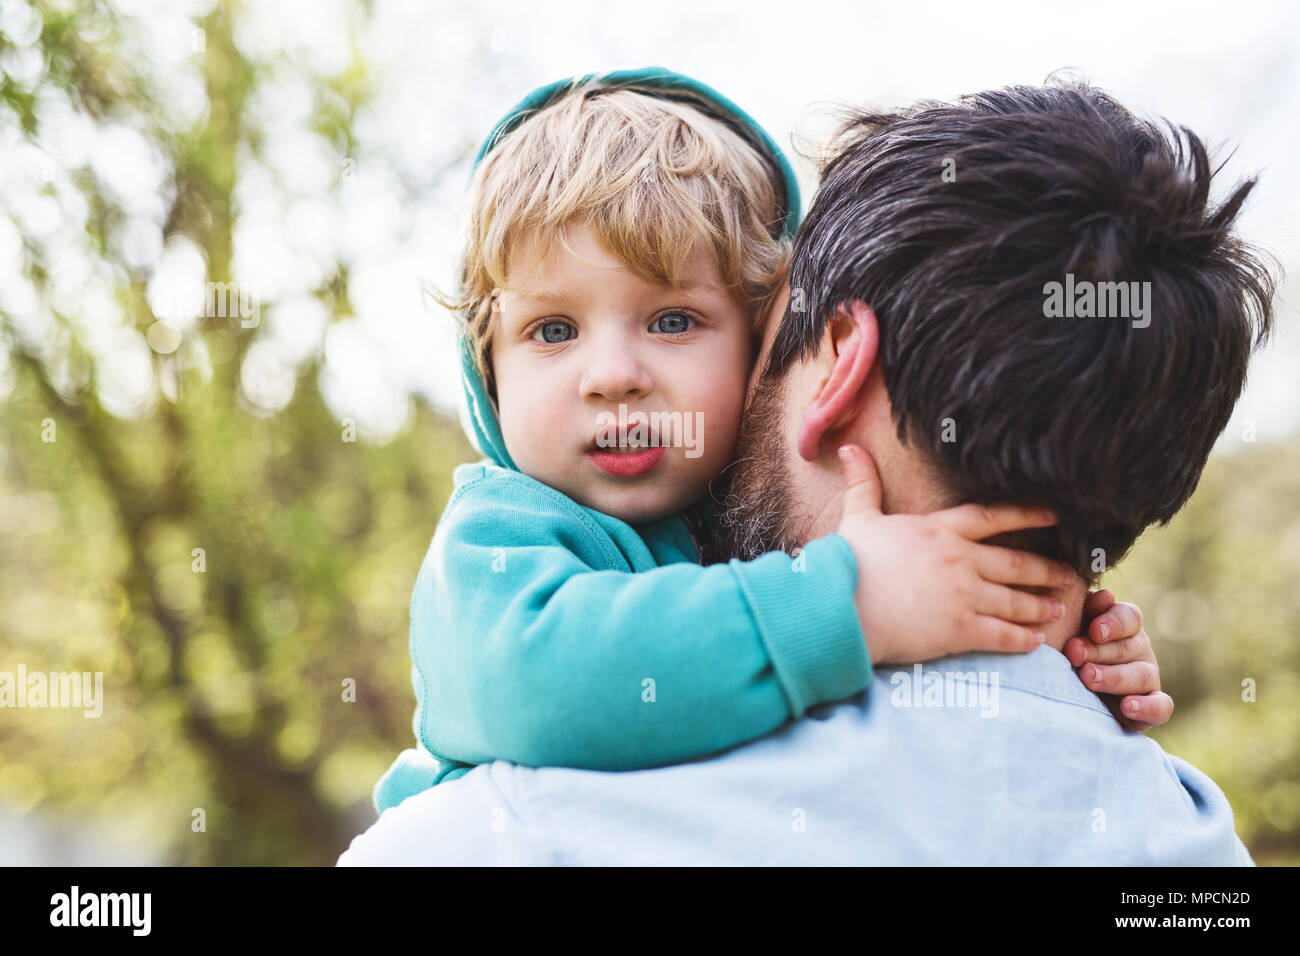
(546,633)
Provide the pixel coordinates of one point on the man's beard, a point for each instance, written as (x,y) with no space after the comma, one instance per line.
(758,507)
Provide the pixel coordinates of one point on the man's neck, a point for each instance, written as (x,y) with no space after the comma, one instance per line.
(1069,624)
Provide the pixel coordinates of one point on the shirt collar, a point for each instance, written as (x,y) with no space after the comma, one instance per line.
(1045,672)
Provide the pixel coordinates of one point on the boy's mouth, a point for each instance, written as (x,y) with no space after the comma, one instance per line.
(626,462)
(613,453)
(613,442)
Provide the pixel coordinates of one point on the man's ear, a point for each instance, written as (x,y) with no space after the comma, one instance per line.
(852,336)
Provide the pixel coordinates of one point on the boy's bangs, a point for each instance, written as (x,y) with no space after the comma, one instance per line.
(653,205)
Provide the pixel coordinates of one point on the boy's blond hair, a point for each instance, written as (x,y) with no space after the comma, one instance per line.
(655,177)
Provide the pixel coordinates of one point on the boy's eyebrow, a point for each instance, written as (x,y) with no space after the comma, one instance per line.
(687,291)
(541,296)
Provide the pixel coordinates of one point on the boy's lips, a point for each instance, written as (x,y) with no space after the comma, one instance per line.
(627,464)
(609,438)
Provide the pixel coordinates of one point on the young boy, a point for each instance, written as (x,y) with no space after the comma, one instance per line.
(627,235)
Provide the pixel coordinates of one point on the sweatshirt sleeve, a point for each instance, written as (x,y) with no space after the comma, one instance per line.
(530,649)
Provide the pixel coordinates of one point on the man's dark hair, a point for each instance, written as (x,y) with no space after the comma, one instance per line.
(950,221)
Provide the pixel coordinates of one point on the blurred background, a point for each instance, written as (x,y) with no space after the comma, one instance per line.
(228,415)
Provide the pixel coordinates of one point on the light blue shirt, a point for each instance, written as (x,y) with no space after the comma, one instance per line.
(1013,762)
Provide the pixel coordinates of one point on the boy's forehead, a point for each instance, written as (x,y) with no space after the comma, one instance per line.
(563,267)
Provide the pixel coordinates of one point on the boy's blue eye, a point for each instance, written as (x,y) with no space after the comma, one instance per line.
(676,321)
(550,331)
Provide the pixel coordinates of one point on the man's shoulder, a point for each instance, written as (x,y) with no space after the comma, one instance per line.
(936,772)
(482,818)
(977,760)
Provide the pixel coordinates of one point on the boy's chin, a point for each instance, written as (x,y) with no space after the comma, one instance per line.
(636,507)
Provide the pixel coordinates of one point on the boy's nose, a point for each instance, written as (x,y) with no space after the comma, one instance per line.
(614,377)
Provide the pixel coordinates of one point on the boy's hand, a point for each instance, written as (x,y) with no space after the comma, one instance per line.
(927,589)
(1116,661)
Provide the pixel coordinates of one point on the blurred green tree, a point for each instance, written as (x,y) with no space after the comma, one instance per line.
(240,578)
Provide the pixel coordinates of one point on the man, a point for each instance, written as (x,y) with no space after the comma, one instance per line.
(1021,297)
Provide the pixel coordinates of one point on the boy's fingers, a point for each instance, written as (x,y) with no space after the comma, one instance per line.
(1018,607)
(1112,652)
(1076,651)
(1122,620)
(861,482)
(1136,677)
(1148,710)
(977,522)
(1097,602)
(995,634)
(1009,566)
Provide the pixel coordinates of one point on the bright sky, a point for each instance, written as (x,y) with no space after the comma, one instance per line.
(445,72)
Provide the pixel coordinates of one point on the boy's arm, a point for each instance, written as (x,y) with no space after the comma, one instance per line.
(528,653)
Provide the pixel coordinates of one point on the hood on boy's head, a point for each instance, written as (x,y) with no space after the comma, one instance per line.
(479,417)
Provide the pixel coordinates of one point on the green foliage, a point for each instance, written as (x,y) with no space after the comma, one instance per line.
(226,570)
(1220,590)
